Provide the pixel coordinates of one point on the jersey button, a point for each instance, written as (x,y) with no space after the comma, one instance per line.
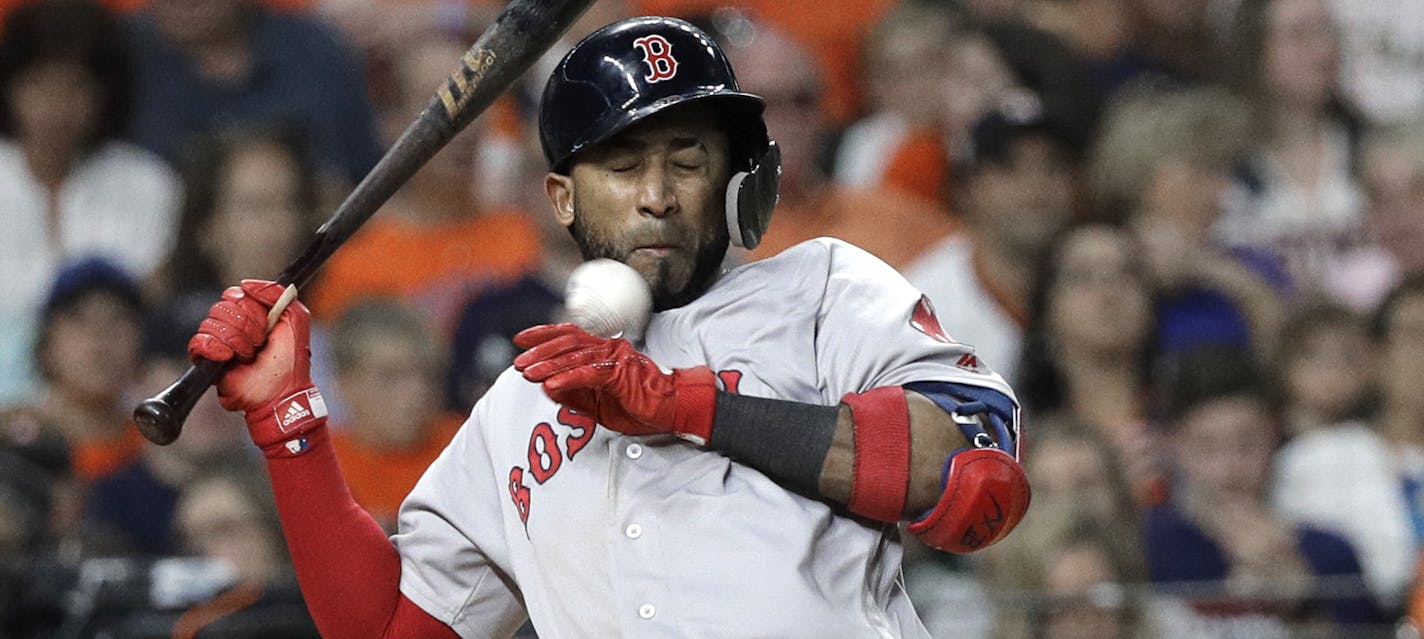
(634,451)
(633,531)
(647,611)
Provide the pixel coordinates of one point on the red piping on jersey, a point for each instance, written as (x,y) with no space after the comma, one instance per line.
(882,453)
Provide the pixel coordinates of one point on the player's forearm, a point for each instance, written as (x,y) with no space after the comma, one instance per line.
(933,436)
(811,449)
(347,567)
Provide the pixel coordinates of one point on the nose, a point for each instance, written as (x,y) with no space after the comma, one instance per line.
(656,195)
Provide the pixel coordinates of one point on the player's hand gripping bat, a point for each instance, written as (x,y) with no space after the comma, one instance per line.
(502,53)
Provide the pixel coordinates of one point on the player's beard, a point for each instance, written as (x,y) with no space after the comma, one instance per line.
(669,290)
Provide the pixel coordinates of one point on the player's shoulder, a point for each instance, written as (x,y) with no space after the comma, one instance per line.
(820,256)
(819,270)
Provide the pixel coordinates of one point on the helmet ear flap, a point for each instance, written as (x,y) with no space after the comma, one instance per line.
(752,195)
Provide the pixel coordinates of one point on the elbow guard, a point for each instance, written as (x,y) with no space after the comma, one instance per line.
(985,490)
(985,496)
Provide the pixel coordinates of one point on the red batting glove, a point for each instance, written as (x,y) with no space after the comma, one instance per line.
(270,384)
(620,387)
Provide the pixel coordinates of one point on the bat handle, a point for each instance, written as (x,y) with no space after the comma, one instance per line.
(160,418)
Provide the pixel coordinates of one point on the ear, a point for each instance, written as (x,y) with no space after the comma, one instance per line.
(561,194)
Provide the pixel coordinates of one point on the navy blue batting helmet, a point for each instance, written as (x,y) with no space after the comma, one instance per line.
(634,68)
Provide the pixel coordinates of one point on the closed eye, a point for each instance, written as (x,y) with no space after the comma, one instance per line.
(622,165)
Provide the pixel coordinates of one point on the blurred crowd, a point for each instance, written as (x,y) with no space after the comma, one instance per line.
(1190,233)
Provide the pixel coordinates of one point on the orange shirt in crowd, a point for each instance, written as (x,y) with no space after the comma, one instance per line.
(891,224)
(835,34)
(98,458)
(920,166)
(436,267)
(381,478)
(792,224)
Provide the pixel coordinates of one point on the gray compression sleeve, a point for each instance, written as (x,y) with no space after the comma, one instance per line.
(786,440)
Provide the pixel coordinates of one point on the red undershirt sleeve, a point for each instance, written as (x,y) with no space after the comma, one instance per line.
(348,570)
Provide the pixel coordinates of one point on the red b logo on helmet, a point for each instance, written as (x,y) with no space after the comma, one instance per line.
(657,52)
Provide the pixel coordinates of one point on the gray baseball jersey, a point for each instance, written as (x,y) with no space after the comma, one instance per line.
(597,534)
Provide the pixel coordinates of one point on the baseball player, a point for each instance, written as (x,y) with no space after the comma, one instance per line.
(737,472)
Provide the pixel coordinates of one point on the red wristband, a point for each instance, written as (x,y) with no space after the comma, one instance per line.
(696,404)
(279,427)
(881,479)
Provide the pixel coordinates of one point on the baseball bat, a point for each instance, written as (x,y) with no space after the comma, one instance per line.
(521,33)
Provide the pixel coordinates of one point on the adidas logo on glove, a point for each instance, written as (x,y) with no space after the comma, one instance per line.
(298,407)
(295,411)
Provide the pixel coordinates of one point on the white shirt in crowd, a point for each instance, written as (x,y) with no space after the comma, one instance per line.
(120,202)
(1347,480)
(966,309)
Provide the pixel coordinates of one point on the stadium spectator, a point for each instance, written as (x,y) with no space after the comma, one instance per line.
(254,188)
(1324,373)
(1392,171)
(204,63)
(1101,33)
(34,471)
(87,352)
(1217,539)
(227,513)
(1015,196)
(135,506)
(1173,37)
(1088,354)
(977,79)
(463,247)
(1162,162)
(1327,380)
(904,69)
(389,367)
(69,187)
(1296,197)
(1080,492)
(1382,57)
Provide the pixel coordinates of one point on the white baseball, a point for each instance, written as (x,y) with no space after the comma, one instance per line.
(609,299)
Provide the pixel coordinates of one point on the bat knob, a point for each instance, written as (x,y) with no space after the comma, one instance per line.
(154,419)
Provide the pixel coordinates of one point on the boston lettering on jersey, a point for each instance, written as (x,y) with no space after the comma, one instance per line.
(546,456)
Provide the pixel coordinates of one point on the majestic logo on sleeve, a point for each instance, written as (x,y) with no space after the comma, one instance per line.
(923,320)
(657,52)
